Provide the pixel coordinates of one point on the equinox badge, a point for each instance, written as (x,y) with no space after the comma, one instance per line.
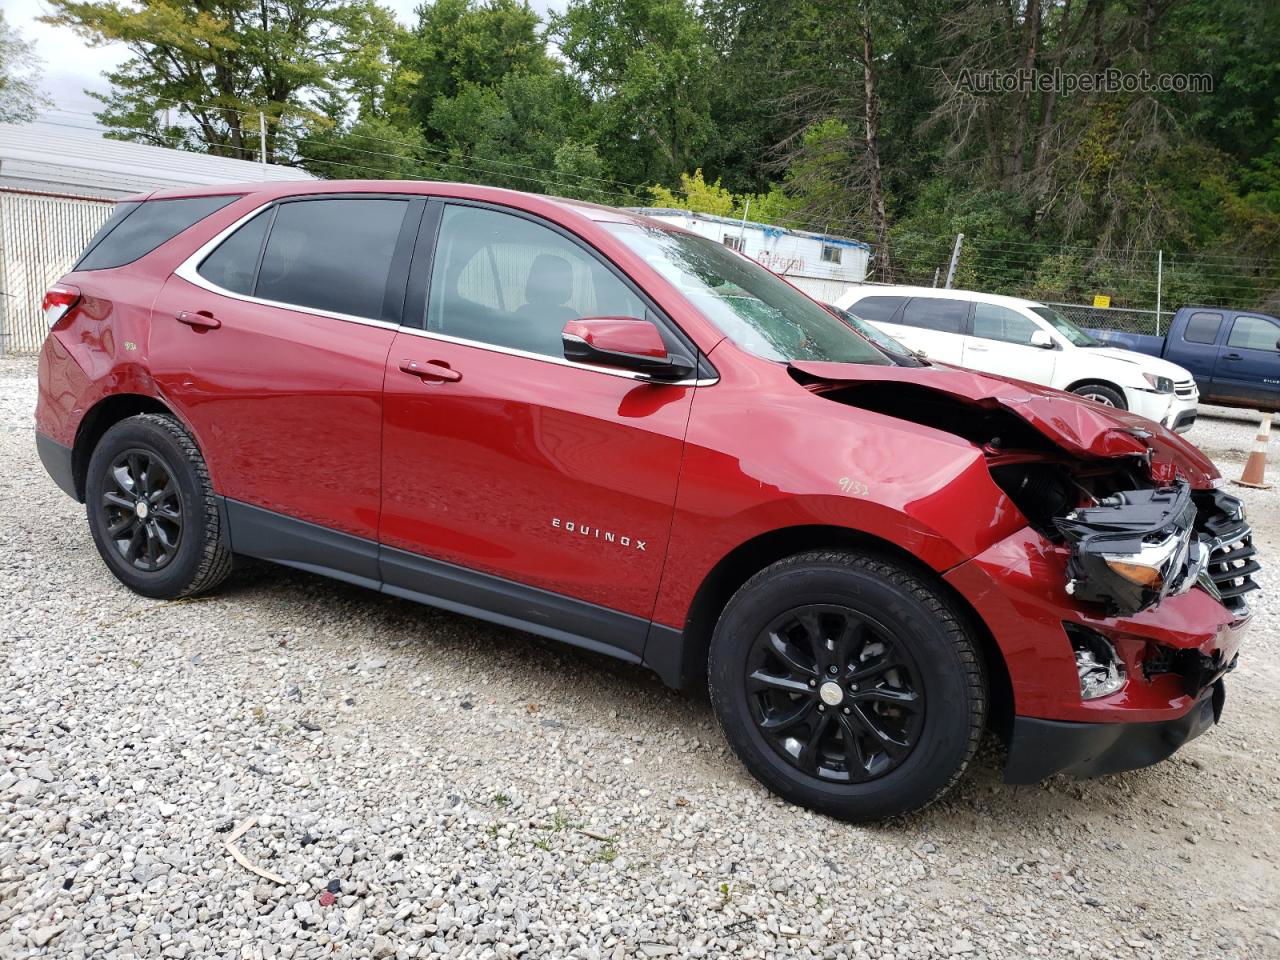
(608,536)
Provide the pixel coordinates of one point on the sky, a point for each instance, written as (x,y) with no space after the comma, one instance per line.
(70,65)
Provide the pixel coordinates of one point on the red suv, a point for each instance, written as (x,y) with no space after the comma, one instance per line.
(598,428)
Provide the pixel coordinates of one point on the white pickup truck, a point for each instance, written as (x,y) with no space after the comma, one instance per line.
(1027,341)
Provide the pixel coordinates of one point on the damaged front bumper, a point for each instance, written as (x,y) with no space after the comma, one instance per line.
(1039,749)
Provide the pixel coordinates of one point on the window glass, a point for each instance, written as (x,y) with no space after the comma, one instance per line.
(144,227)
(1065,327)
(1254,333)
(877,309)
(877,336)
(733,243)
(995,322)
(332,254)
(753,307)
(234,263)
(510,282)
(1203,327)
(830,254)
(936,313)
(118,213)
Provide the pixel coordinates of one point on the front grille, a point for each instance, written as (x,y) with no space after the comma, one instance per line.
(1231,568)
(1185,388)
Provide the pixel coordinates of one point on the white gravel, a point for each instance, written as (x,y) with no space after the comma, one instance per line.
(468,791)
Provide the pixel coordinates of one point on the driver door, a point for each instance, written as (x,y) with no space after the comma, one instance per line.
(1000,343)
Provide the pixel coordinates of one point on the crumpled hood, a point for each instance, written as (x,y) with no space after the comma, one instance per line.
(1079,426)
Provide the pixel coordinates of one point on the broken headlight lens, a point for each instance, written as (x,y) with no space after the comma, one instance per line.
(1098,665)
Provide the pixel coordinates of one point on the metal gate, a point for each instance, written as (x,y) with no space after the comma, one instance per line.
(40,237)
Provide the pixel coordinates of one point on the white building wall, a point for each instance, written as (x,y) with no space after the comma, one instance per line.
(40,238)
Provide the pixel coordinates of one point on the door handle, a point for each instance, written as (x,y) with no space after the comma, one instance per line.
(200,320)
(436,370)
(977,349)
(1232,356)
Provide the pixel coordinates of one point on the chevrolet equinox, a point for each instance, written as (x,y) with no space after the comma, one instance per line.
(591,426)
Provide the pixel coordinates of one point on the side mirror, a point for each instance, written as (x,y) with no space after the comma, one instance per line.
(1041,339)
(625,343)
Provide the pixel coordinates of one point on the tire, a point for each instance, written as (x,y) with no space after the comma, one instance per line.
(1101,393)
(881,614)
(147,491)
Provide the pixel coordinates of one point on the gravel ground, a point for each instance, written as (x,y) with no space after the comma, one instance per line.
(427,786)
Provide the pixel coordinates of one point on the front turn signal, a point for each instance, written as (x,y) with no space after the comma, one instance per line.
(1138,573)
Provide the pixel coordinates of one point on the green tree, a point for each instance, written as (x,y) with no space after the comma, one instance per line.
(199,74)
(510,133)
(650,70)
(695,194)
(20,94)
(460,44)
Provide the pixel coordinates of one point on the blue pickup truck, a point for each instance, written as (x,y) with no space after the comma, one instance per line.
(1233,354)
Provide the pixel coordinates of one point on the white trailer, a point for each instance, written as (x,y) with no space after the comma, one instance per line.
(821,265)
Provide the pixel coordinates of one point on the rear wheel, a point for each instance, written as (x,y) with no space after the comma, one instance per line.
(847,685)
(1101,393)
(152,510)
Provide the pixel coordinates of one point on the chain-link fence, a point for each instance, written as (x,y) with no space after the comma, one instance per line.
(1115,318)
(40,237)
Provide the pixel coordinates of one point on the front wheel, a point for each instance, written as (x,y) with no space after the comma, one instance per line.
(152,510)
(1103,394)
(847,684)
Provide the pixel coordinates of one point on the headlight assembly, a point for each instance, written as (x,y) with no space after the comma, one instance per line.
(1133,548)
(1158,384)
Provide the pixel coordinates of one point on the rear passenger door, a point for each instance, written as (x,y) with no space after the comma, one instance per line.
(936,325)
(517,481)
(272,341)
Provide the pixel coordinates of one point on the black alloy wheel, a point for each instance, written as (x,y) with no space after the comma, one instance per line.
(152,510)
(848,683)
(142,509)
(834,694)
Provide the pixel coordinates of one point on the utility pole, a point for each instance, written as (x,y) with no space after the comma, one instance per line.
(936,272)
(955,259)
(742,231)
(1159,286)
(262,142)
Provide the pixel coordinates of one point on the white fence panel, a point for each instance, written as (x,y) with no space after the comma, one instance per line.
(40,237)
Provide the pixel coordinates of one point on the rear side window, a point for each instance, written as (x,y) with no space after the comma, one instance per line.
(1203,327)
(332,254)
(877,309)
(139,230)
(936,313)
(234,264)
(1254,333)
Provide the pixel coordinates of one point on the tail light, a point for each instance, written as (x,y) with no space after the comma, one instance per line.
(58,301)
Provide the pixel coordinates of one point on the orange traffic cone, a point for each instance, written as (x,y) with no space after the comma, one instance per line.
(1256,467)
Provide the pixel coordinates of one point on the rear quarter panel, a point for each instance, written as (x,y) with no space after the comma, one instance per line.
(101,348)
